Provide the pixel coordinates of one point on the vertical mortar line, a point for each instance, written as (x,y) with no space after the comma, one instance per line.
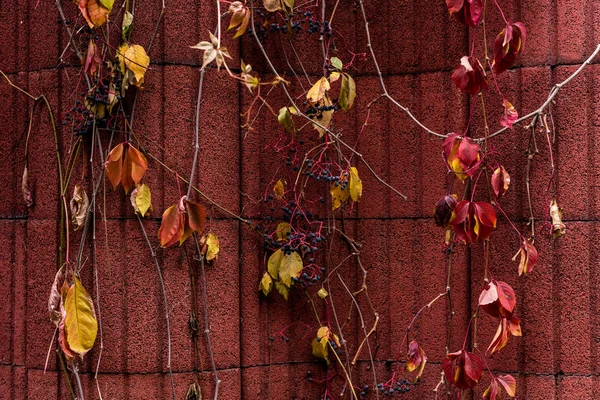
(592,281)
(26,261)
(240,227)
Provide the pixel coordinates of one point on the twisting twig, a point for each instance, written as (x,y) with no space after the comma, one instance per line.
(164,294)
(206,318)
(196,134)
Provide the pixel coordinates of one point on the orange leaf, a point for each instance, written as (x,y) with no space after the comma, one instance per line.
(114,165)
(98,14)
(135,168)
(171,227)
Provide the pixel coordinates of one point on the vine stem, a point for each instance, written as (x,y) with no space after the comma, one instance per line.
(164,294)
(553,92)
(196,133)
(78,380)
(303,115)
(206,318)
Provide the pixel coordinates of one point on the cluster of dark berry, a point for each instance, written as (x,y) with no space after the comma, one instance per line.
(79,116)
(288,25)
(365,390)
(399,388)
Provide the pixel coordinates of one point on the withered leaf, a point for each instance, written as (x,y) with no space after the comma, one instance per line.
(318,90)
(55,299)
(355,185)
(279,189)
(212,243)
(347,92)
(27,195)
(79,205)
(558,228)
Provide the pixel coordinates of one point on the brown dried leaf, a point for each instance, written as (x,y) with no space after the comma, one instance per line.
(27,195)
(55,299)
(79,205)
(558,228)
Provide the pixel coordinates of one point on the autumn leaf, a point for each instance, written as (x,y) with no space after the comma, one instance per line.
(347,92)
(323,118)
(322,293)
(508,45)
(473,221)
(509,384)
(95,12)
(272,5)
(62,330)
(240,16)
(81,324)
(442,213)
(171,227)
(469,76)
(283,290)
(355,185)
(321,343)
(556,213)
(500,181)
(127,24)
(266,284)
(79,205)
(529,256)
(317,91)
(125,165)
(462,155)
(213,51)
(290,267)
(249,80)
(498,299)
(279,189)
(211,242)
(416,358)
(137,61)
(274,263)
(93,58)
(283,231)
(463,369)
(285,119)
(467,12)
(510,115)
(141,200)
(338,195)
(55,299)
(27,194)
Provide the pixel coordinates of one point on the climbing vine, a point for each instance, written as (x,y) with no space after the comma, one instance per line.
(315,186)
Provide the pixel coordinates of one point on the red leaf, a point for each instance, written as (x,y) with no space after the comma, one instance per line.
(463,369)
(514,324)
(500,339)
(469,76)
(416,358)
(443,210)
(500,181)
(491,393)
(498,299)
(196,216)
(506,297)
(114,165)
(467,12)
(507,45)
(529,257)
(510,115)
(473,221)
(171,227)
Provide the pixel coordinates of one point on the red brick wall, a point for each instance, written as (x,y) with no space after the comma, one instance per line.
(418,45)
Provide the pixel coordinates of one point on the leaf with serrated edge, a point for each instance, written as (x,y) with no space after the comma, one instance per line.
(137,61)
(81,324)
(317,91)
(291,266)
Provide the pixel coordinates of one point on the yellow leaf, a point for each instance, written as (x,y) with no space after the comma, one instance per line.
(121,56)
(80,324)
(317,92)
(108,4)
(338,196)
(137,61)
(98,14)
(272,5)
(290,267)
(319,350)
(347,92)
(274,263)
(279,189)
(283,231)
(282,289)
(325,118)
(266,284)
(142,199)
(212,242)
(285,118)
(322,293)
(355,185)
(334,76)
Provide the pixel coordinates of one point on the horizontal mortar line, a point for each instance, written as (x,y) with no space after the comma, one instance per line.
(307,363)
(361,75)
(257,218)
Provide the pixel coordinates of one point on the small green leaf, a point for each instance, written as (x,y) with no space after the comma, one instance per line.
(336,62)
(127,24)
(108,4)
(285,119)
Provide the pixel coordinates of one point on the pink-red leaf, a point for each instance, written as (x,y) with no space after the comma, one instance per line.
(510,115)
(509,384)
(500,181)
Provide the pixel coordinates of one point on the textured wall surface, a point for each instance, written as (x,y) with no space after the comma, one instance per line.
(418,45)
